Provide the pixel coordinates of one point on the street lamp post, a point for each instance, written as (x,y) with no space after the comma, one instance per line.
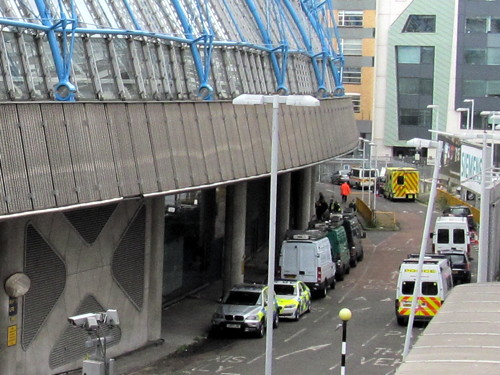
(345,315)
(374,147)
(365,141)
(434,108)
(471,122)
(275,100)
(419,143)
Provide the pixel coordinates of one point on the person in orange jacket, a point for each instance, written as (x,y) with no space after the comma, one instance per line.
(345,190)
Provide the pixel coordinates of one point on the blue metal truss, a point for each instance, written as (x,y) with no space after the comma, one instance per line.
(66,28)
(316,10)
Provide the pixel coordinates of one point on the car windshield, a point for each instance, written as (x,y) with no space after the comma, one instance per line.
(288,290)
(457,258)
(242,298)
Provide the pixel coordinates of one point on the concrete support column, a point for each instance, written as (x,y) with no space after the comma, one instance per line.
(314,180)
(304,199)
(155,279)
(283,222)
(234,246)
(208,213)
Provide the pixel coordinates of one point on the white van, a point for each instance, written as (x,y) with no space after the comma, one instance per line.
(359,177)
(307,256)
(451,233)
(436,282)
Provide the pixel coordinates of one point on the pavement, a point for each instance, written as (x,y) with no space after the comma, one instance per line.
(185,323)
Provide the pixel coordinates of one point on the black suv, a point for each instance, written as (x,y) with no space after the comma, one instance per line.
(460,266)
(460,211)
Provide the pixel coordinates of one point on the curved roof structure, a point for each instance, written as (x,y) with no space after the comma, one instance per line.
(167,49)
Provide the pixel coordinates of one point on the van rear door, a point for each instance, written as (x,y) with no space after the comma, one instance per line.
(308,260)
(290,260)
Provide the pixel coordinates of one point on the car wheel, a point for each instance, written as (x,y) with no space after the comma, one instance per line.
(261,330)
(322,291)
(401,321)
(308,309)
(353,262)
(276,321)
(361,255)
(296,315)
(339,276)
(348,270)
(332,285)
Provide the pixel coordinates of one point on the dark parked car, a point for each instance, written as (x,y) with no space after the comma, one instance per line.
(355,233)
(460,266)
(461,211)
(340,176)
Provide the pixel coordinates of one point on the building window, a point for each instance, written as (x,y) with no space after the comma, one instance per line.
(351,75)
(415,117)
(352,47)
(482,25)
(481,56)
(481,88)
(420,24)
(415,55)
(350,18)
(356,102)
(414,86)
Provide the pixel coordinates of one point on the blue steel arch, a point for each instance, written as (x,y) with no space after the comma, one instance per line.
(66,28)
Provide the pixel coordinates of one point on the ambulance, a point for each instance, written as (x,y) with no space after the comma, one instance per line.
(436,282)
(401,183)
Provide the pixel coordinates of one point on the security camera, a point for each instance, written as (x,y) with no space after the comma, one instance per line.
(88,321)
(111,318)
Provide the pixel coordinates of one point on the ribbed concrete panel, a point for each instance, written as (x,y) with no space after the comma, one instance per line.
(81,153)
(152,142)
(242,119)
(160,143)
(101,149)
(290,144)
(264,120)
(192,126)
(206,127)
(255,133)
(37,160)
(297,134)
(221,141)
(123,154)
(233,139)
(180,152)
(16,189)
(59,154)
(141,143)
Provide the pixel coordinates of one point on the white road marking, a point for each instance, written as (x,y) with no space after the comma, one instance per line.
(360,299)
(370,339)
(321,316)
(295,334)
(386,300)
(255,359)
(313,348)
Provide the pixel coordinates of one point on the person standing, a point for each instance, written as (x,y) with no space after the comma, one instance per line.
(321,207)
(345,190)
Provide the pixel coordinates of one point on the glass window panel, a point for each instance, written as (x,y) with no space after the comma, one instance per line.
(429,288)
(475,25)
(81,72)
(493,88)
(493,56)
(35,67)
(356,102)
(16,67)
(420,24)
(126,67)
(426,86)
(408,86)
(104,68)
(408,55)
(349,18)
(407,287)
(427,55)
(458,236)
(495,25)
(352,47)
(413,117)
(475,56)
(474,88)
(352,75)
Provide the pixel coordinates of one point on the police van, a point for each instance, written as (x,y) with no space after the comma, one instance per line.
(307,256)
(436,282)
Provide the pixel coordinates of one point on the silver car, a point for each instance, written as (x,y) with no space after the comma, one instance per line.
(244,310)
